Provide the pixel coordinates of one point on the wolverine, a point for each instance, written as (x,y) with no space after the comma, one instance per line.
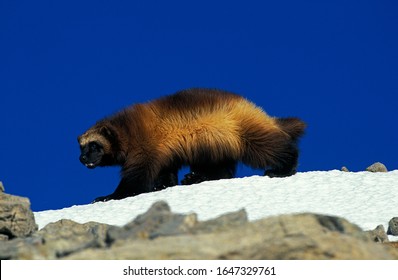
(208,130)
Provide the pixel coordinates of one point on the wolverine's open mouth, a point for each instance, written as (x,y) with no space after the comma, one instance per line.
(90,165)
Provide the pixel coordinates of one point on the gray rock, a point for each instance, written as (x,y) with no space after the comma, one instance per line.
(65,237)
(302,236)
(157,221)
(222,223)
(3,237)
(378,234)
(1,187)
(393,226)
(161,234)
(56,240)
(333,223)
(28,248)
(377,167)
(16,217)
(345,169)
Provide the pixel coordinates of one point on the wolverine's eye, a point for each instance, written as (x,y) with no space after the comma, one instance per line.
(94,146)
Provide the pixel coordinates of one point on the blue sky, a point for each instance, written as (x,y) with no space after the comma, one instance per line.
(66,64)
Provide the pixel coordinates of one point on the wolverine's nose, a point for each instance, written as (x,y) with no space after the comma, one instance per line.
(83,159)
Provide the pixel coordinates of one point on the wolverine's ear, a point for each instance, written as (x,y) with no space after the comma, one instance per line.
(107,132)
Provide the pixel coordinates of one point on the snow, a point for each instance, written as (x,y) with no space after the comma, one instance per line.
(364,198)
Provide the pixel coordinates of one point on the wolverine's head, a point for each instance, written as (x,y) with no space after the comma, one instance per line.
(96,147)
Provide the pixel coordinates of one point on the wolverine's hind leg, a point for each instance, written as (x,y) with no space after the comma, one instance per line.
(269,149)
(210,171)
(286,164)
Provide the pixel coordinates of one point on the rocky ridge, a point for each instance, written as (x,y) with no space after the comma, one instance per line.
(161,234)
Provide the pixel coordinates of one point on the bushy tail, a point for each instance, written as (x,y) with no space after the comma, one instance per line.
(294,127)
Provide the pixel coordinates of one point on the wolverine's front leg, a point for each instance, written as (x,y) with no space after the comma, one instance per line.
(166,178)
(128,186)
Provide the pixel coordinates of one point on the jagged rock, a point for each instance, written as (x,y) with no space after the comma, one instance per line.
(378,234)
(393,244)
(301,236)
(3,237)
(29,248)
(161,234)
(160,221)
(333,223)
(157,221)
(345,169)
(56,240)
(377,167)
(16,217)
(1,187)
(222,223)
(393,226)
(65,237)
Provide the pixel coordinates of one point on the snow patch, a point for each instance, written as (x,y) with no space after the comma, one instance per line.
(364,198)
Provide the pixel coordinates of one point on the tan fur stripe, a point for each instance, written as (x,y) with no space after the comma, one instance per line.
(220,129)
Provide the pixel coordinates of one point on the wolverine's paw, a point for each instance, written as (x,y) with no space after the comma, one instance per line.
(102,198)
(193,178)
(273,173)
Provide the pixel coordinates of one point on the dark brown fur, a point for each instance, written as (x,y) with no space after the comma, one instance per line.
(209,130)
